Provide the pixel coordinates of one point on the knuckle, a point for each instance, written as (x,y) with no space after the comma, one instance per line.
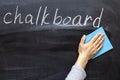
(81,44)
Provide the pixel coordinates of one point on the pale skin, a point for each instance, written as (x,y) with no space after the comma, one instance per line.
(88,50)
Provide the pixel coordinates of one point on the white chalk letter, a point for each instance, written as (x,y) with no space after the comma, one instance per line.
(57,18)
(78,22)
(44,17)
(5,16)
(17,16)
(86,19)
(29,19)
(67,20)
(99,20)
(38,15)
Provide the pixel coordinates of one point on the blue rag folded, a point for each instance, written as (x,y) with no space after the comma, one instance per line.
(106,44)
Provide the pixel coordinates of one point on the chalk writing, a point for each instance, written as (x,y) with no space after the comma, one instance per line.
(13,18)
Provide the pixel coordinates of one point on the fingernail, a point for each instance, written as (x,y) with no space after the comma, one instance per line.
(98,33)
(84,35)
(102,33)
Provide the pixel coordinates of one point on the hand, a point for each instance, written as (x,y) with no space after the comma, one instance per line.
(88,50)
(91,48)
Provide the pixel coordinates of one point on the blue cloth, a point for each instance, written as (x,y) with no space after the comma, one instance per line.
(107,44)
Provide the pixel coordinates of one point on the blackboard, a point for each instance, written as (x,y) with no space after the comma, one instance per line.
(39,38)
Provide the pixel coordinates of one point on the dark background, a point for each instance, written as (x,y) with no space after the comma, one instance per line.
(30,52)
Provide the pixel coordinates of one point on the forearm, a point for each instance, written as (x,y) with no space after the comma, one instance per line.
(76,73)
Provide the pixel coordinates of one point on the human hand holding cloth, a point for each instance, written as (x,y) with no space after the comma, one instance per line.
(88,47)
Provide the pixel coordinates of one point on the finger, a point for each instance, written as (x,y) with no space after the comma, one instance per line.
(83,39)
(94,38)
(99,40)
(95,51)
(99,45)
(99,48)
(95,47)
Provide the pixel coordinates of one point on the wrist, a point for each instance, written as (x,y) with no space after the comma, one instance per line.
(82,61)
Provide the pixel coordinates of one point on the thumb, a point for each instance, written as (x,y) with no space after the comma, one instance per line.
(83,39)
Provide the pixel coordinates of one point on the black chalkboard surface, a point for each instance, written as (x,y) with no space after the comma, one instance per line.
(39,38)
